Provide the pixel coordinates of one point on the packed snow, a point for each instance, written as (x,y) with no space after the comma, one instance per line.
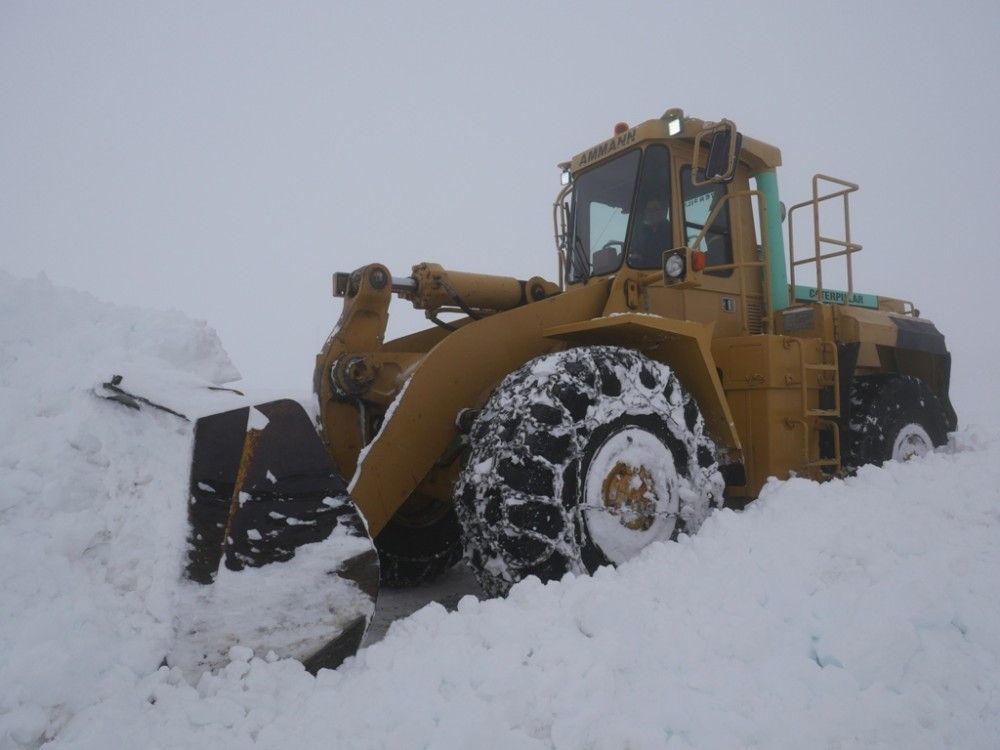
(305,606)
(853,614)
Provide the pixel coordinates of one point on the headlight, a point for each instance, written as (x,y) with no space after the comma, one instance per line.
(674,266)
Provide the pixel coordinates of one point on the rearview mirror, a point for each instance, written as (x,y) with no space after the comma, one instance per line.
(723,153)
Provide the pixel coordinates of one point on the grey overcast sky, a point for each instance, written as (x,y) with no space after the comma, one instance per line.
(225,158)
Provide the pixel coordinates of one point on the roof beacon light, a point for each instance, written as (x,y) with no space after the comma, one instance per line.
(621,127)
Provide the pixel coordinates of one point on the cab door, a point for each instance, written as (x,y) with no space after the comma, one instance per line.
(731,293)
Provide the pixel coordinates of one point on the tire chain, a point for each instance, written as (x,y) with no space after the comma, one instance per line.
(511,497)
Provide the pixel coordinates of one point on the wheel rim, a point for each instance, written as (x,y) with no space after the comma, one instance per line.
(631,495)
(911,441)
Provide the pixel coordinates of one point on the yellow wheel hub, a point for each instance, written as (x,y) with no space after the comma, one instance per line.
(629,493)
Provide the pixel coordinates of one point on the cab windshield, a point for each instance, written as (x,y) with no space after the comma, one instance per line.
(602,202)
(607,229)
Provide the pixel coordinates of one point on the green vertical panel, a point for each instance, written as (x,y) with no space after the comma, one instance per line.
(767,183)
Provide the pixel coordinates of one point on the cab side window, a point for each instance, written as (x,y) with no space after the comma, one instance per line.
(698,202)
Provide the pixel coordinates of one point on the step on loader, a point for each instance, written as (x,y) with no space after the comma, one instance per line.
(539,427)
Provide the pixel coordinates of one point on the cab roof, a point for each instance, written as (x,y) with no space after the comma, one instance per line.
(759,156)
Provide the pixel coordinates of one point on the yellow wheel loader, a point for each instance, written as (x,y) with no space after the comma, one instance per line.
(547,427)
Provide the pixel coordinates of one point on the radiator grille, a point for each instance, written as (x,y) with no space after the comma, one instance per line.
(755,315)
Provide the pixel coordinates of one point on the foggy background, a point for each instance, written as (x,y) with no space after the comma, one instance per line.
(224,159)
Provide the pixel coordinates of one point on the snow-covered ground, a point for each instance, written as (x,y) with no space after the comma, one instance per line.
(858,613)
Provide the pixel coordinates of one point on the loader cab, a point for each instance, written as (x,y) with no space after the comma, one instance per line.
(633,208)
(653,189)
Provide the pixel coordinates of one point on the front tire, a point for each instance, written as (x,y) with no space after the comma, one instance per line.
(580,459)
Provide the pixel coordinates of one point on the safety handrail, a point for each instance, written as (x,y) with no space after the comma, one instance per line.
(560,225)
(849,248)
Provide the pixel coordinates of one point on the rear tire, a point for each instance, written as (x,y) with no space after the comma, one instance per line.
(581,459)
(893,417)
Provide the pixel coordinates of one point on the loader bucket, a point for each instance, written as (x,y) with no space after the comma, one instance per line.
(279,558)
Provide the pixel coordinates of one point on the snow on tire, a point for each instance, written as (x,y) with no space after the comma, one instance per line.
(893,417)
(580,459)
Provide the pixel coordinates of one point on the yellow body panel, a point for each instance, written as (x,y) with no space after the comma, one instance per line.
(773,386)
(459,372)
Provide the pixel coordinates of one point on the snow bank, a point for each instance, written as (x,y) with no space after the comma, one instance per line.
(92,512)
(863,613)
(859,613)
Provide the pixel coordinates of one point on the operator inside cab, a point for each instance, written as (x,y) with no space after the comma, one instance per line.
(653,234)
